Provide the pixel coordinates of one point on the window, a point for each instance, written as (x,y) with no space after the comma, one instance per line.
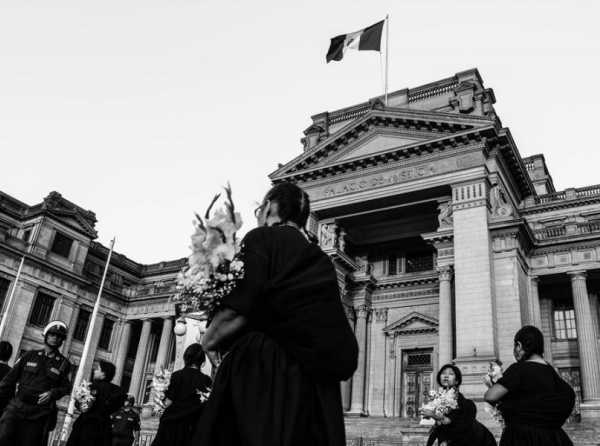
(392,265)
(106,333)
(81,325)
(26,235)
(61,245)
(4,286)
(420,261)
(564,322)
(42,309)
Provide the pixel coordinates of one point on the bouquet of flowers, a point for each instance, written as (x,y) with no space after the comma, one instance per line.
(441,402)
(84,396)
(160,384)
(203,395)
(492,376)
(215,266)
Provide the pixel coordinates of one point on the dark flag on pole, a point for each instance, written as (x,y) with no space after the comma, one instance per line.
(363,40)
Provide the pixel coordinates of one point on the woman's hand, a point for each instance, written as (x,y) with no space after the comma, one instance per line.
(428,413)
(224,325)
(487,380)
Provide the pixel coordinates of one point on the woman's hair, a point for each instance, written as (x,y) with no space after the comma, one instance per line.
(293,203)
(6,351)
(532,341)
(194,355)
(131,399)
(456,371)
(109,370)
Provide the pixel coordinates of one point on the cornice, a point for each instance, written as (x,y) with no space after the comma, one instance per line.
(559,204)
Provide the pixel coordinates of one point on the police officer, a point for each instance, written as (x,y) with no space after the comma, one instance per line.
(125,424)
(42,377)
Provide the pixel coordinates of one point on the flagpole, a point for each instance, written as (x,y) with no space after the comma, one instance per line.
(10,298)
(86,349)
(387,55)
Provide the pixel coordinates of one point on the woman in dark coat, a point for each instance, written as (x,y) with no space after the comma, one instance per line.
(458,427)
(287,340)
(183,400)
(534,401)
(93,427)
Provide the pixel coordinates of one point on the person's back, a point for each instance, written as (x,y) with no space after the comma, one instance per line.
(301,303)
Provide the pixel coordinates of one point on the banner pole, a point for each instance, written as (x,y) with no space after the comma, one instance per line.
(387,55)
(9,301)
(86,349)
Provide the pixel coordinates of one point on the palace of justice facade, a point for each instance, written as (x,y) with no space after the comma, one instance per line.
(445,239)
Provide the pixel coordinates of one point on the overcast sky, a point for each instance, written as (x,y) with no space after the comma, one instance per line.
(141,110)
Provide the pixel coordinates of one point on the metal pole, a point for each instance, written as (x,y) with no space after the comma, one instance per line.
(86,349)
(9,301)
(387,55)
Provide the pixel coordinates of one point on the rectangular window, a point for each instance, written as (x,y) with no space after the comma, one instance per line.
(61,245)
(420,261)
(26,235)
(82,324)
(4,287)
(564,322)
(392,265)
(106,334)
(42,309)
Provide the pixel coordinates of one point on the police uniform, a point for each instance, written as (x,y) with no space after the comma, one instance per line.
(24,421)
(124,424)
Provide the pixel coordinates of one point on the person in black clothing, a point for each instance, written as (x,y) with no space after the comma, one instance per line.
(534,401)
(285,336)
(6,351)
(42,377)
(93,427)
(183,400)
(125,424)
(458,427)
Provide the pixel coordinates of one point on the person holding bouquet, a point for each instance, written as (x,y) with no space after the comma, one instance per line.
(93,426)
(457,426)
(184,400)
(534,401)
(283,336)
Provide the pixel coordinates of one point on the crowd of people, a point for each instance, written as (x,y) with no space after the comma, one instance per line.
(281,345)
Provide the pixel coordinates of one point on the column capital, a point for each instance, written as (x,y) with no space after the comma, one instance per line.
(362,311)
(445,272)
(578,275)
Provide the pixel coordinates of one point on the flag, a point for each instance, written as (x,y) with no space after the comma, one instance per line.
(365,39)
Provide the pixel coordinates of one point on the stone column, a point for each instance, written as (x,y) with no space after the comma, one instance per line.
(534,303)
(546,327)
(358,380)
(346,386)
(445,336)
(589,356)
(121,354)
(140,357)
(163,346)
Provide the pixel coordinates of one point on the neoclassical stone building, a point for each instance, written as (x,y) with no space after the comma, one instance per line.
(446,241)
(60,278)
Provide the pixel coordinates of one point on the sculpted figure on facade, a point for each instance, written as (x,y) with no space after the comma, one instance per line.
(499,205)
(445,215)
(328,236)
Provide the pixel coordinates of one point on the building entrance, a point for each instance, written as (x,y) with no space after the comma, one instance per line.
(416,380)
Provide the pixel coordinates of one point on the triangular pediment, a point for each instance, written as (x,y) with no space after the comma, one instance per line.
(413,323)
(70,214)
(379,132)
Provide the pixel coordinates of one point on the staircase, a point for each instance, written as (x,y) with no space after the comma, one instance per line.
(379,431)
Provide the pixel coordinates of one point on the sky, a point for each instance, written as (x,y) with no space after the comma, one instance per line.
(141,110)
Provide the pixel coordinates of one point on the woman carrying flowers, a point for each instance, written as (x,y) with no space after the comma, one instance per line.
(534,401)
(456,426)
(93,426)
(183,400)
(286,341)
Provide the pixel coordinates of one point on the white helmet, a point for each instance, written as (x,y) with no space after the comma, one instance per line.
(56,327)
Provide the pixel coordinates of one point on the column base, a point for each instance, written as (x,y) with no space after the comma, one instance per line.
(590,410)
(356,413)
